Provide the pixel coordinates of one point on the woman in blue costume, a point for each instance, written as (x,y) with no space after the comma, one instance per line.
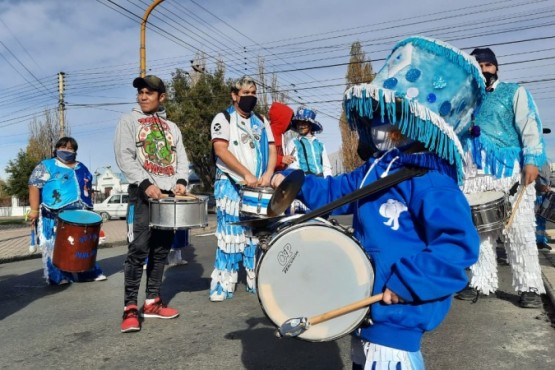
(245,154)
(419,233)
(58,184)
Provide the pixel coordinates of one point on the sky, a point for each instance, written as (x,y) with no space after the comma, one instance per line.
(304,43)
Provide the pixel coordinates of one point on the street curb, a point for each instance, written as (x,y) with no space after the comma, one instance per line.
(548,274)
(39,255)
(118,243)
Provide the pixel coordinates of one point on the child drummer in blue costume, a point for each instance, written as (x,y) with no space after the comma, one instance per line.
(418,233)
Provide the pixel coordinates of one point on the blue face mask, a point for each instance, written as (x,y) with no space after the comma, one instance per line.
(66,156)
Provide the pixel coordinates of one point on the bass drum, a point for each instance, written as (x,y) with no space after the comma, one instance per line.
(77,237)
(312,268)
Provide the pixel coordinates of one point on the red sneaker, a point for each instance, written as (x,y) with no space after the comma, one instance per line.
(130,321)
(159,310)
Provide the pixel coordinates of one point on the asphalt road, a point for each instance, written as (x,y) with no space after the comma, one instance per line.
(77,326)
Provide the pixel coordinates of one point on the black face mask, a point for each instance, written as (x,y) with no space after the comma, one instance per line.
(365,148)
(365,151)
(247,103)
(490,78)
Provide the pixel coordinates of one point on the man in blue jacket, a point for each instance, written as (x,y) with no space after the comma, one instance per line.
(419,233)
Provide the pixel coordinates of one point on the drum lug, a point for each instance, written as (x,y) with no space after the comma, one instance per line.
(367,321)
(349,230)
(263,239)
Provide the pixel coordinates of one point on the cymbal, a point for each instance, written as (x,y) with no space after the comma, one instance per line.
(259,223)
(285,193)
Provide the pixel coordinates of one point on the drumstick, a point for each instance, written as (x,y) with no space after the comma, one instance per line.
(296,326)
(515,208)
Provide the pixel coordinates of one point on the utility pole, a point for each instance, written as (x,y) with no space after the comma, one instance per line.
(142,51)
(61,102)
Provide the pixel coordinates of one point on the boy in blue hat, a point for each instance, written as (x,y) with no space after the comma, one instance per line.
(310,153)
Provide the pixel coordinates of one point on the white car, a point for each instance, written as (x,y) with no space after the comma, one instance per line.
(115,206)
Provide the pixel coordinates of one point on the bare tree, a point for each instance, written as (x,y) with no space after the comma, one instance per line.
(358,71)
(43,134)
(262,90)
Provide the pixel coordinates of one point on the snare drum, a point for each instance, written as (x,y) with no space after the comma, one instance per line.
(547,208)
(179,213)
(490,209)
(77,235)
(255,201)
(312,268)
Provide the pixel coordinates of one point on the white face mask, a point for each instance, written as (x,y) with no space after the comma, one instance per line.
(382,138)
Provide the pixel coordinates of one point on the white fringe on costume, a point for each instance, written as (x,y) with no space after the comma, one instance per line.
(46,247)
(232,240)
(520,237)
(376,357)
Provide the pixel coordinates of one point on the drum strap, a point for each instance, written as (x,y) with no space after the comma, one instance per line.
(378,185)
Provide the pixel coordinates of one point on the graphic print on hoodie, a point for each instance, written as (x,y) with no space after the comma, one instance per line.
(155,144)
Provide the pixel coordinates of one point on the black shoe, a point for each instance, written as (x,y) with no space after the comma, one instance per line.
(543,246)
(530,300)
(467,294)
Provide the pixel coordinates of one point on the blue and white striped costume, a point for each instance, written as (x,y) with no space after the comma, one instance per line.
(248,140)
(510,138)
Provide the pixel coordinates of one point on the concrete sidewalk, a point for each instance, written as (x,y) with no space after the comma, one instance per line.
(15,242)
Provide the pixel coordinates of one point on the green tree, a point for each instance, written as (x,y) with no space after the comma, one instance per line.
(19,170)
(192,104)
(358,71)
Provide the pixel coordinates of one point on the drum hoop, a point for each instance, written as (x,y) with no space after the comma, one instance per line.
(75,223)
(325,223)
(262,189)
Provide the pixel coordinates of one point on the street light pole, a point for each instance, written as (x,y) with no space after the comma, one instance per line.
(142,51)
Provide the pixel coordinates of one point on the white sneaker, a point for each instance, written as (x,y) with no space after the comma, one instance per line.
(101,277)
(63,282)
(217,297)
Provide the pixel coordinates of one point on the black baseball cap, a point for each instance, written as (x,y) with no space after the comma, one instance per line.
(152,82)
(485,55)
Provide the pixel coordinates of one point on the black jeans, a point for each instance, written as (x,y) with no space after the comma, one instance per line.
(152,243)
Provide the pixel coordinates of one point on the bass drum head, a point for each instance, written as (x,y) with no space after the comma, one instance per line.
(310,269)
(80,217)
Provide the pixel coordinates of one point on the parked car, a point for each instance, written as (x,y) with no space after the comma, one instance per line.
(115,206)
(195,187)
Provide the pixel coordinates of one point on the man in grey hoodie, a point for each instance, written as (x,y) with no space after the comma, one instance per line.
(149,151)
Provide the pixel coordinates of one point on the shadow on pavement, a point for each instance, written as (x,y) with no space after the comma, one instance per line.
(18,291)
(184,278)
(261,349)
